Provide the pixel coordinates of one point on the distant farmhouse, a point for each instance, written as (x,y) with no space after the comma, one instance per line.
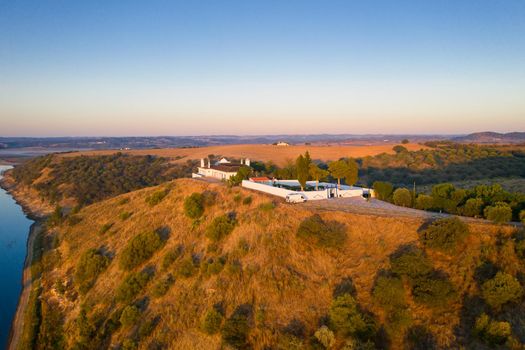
(222,170)
(281,143)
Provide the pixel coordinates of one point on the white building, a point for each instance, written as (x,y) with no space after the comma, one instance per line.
(282,143)
(222,170)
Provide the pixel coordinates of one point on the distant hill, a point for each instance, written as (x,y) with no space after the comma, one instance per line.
(492,137)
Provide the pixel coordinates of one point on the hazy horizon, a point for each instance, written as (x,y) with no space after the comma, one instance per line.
(261,68)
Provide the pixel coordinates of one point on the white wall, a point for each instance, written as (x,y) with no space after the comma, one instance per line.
(281,192)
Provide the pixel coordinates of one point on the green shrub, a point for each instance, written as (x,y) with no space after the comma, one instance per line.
(139,249)
(105,228)
(236,330)
(389,292)
(194,206)
(402,197)
(397,321)
(186,268)
(490,331)
(247,201)
(132,285)
(330,234)
(171,256)
(89,267)
(213,266)
(123,201)
(433,292)
(161,287)
(522,217)
(444,234)
(147,327)
(325,337)
(156,197)
(237,198)
(472,207)
(501,289)
(211,322)
(346,318)
(220,227)
(268,206)
(125,215)
(500,213)
(411,262)
(129,344)
(383,190)
(520,249)
(399,149)
(424,202)
(130,315)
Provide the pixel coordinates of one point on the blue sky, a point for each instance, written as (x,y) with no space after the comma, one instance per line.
(259,67)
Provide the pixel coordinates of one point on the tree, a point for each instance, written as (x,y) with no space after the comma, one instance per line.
(342,169)
(424,202)
(90,265)
(346,318)
(411,262)
(444,234)
(501,212)
(211,322)
(130,315)
(522,217)
(302,164)
(501,289)
(402,197)
(317,174)
(193,206)
(139,249)
(405,141)
(399,149)
(492,331)
(383,190)
(325,337)
(472,207)
(243,173)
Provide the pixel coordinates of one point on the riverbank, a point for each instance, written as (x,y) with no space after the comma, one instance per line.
(34,209)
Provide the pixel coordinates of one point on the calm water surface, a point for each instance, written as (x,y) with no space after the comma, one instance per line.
(14,229)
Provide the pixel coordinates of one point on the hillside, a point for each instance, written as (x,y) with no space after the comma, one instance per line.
(492,137)
(262,285)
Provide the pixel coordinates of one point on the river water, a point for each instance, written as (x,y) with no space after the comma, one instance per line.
(14,229)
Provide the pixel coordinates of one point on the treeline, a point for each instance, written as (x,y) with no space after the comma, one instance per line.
(89,179)
(485,201)
(445,162)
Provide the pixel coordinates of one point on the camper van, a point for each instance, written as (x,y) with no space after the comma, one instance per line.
(295,198)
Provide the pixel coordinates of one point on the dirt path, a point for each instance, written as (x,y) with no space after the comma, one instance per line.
(17,326)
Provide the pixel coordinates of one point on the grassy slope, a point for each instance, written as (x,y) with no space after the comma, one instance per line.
(281,274)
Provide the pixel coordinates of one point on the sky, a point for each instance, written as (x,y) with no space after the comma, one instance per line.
(130,68)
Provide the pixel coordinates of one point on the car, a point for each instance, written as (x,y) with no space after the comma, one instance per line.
(295,198)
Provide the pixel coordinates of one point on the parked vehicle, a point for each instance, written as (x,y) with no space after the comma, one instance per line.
(295,198)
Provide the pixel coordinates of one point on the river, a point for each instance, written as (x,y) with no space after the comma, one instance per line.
(14,230)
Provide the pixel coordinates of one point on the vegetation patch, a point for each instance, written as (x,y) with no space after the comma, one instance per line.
(211,322)
(130,315)
(329,234)
(347,319)
(194,206)
(156,197)
(501,289)
(139,249)
(221,226)
(132,285)
(444,234)
(411,262)
(90,265)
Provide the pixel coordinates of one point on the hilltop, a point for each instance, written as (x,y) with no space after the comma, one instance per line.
(490,137)
(253,272)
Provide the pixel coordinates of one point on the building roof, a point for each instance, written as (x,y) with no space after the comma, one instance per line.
(260,179)
(228,168)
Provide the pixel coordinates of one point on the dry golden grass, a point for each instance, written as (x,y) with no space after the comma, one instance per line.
(277,154)
(284,276)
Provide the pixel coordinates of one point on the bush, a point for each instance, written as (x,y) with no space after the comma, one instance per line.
(433,292)
(383,190)
(520,249)
(186,268)
(329,234)
(194,206)
(402,197)
(247,200)
(491,331)
(444,234)
(132,285)
(90,265)
(147,327)
(156,197)
(170,257)
(499,213)
(522,217)
(501,289)
(139,249)
(346,318)
(220,227)
(268,206)
(472,207)
(211,322)
(125,215)
(130,315)
(399,149)
(161,287)
(411,262)
(389,292)
(236,329)
(424,202)
(105,228)
(325,337)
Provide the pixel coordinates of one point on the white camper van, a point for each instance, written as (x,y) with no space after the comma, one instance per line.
(295,198)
